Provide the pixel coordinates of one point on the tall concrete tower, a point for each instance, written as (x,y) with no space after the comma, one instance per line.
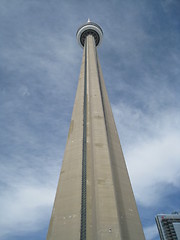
(94,198)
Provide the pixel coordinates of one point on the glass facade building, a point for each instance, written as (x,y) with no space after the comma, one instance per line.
(168,226)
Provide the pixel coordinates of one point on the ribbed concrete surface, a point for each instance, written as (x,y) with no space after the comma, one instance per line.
(111,211)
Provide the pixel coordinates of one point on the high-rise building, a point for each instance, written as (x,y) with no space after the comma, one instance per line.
(94,198)
(168,226)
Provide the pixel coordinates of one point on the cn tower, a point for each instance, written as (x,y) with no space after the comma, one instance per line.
(94,198)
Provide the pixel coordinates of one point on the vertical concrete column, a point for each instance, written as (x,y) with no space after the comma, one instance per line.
(103,206)
(65,223)
(129,221)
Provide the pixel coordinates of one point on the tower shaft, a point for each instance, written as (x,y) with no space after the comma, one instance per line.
(94,198)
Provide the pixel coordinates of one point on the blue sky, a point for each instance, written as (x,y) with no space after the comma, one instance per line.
(39,70)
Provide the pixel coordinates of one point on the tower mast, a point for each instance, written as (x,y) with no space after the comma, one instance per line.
(94,198)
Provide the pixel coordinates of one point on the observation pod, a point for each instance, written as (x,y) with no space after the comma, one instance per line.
(89,28)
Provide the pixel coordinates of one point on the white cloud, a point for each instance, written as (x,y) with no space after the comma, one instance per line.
(151,147)
(153,165)
(151,232)
(26,202)
(39,72)
(24,91)
(25,206)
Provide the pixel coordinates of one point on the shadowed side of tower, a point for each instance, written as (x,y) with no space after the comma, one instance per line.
(94,198)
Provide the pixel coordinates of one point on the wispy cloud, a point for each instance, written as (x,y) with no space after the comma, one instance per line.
(39,68)
(24,205)
(27,192)
(151,145)
(151,232)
